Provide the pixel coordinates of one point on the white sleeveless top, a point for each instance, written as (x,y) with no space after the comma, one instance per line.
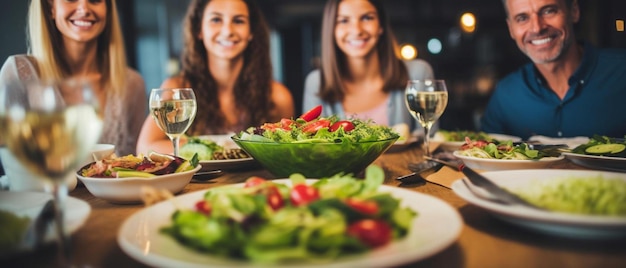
(378,114)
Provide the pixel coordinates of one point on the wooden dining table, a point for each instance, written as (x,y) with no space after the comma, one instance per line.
(484,241)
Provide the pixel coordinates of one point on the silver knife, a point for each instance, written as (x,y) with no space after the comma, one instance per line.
(501,194)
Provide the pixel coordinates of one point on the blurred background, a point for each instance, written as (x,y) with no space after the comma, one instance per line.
(466,41)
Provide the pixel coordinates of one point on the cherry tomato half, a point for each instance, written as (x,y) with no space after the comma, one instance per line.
(203,207)
(312,114)
(253,181)
(274,199)
(313,127)
(363,206)
(346,125)
(302,194)
(373,233)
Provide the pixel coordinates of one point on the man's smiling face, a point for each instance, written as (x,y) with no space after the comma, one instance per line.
(542,29)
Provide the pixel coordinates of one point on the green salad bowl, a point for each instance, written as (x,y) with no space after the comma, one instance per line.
(314,159)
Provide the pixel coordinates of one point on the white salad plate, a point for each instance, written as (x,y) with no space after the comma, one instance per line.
(598,162)
(506,164)
(451,146)
(226,164)
(549,222)
(436,226)
(29,204)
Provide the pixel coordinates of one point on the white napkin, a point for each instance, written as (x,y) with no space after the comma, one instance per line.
(571,142)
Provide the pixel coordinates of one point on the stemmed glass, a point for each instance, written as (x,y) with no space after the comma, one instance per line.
(173,110)
(50,127)
(426,101)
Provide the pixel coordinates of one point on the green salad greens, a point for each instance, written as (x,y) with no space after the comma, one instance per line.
(603,146)
(13,228)
(580,195)
(267,222)
(460,135)
(330,129)
(502,150)
(203,147)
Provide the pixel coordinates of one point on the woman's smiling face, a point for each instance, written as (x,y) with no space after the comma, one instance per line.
(79,20)
(357,27)
(225,29)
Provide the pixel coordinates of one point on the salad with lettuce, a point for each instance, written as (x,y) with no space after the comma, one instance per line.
(603,146)
(267,222)
(140,166)
(310,127)
(595,195)
(502,150)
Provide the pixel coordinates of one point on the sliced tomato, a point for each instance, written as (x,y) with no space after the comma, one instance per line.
(312,114)
(363,206)
(274,199)
(373,233)
(302,194)
(313,127)
(286,123)
(203,207)
(346,125)
(254,181)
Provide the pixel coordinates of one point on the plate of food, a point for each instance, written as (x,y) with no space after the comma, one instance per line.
(600,152)
(453,140)
(426,225)
(507,155)
(217,152)
(18,209)
(572,206)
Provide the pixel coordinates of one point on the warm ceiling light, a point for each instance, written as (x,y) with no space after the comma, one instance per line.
(468,22)
(408,52)
(619,25)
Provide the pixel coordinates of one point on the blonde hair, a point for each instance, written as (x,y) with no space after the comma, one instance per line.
(44,44)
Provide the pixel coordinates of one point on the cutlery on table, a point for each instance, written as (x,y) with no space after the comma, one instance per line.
(499,194)
(420,170)
(206,175)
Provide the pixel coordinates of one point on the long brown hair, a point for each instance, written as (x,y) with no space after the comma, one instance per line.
(333,67)
(253,86)
(46,46)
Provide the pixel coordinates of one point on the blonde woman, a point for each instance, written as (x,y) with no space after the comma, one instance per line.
(83,39)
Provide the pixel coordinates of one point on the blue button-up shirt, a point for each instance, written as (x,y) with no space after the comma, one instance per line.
(523,105)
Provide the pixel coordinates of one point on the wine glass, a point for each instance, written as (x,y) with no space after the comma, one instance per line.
(50,127)
(426,101)
(173,110)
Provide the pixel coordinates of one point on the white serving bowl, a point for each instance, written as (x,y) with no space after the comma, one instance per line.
(506,164)
(129,190)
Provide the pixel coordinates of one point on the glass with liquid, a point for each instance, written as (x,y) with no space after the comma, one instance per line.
(173,110)
(426,101)
(50,128)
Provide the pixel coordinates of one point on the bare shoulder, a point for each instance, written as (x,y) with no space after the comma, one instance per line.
(283,99)
(173,82)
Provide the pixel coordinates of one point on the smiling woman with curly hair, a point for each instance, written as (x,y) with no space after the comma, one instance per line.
(226,61)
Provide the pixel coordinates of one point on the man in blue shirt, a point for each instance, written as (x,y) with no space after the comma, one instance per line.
(570,89)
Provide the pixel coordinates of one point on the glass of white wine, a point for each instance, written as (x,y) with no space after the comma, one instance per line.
(426,101)
(50,127)
(173,110)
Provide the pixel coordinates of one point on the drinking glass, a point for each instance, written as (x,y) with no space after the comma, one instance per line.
(173,110)
(50,127)
(426,101)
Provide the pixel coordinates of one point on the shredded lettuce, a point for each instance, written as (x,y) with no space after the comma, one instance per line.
(242,225)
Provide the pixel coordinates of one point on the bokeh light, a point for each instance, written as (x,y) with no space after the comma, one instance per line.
(434,46)
(468,22)
(408,52)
